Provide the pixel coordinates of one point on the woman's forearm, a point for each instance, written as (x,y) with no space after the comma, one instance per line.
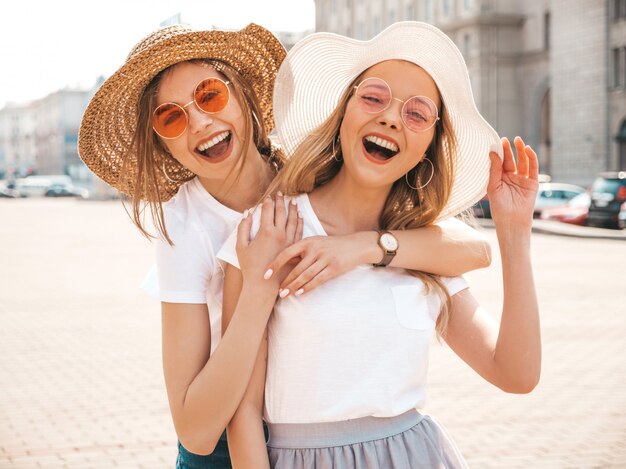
(246,438)
(518,349)
(449,248)
(213,396)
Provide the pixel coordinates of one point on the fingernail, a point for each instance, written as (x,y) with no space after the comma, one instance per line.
(279,193)
(268,273)
(300,292)
(284,293)
(293,202)
(245,213)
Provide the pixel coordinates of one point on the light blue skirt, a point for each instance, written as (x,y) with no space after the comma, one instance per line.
(408,441)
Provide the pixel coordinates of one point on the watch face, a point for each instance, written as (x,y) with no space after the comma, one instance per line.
(389,241)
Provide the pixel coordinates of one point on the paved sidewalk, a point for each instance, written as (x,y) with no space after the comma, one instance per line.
(80,372)
(565,229)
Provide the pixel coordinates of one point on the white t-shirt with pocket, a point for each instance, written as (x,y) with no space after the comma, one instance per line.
(353,347)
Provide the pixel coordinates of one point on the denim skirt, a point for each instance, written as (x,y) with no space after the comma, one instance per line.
(218,459)
(407,441)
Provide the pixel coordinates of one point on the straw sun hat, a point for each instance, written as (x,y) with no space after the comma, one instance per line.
(319,68)
(109,123)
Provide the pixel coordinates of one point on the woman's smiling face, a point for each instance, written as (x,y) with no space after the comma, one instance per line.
(379,148)
(211,144)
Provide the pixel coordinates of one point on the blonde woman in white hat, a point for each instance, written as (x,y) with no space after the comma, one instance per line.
(385,136)
(181,129)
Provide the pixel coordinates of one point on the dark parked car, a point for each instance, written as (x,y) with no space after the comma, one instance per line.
(621,218)
(608,193)
(482,209)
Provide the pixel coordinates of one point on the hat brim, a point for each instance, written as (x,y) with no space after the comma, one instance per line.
(110,120)
(319,68)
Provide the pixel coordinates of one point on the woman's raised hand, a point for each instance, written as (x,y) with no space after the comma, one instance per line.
(513,187)
(278,229)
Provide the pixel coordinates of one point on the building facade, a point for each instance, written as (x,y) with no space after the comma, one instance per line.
(552,71)
(40,137)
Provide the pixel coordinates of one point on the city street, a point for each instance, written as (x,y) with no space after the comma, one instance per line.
(80,370)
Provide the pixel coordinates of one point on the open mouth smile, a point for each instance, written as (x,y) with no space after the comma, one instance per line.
(217,148)
(379,150)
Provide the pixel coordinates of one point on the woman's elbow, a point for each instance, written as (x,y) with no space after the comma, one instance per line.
(199,446)
(523,385)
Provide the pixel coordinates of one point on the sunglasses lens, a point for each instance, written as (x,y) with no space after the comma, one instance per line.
(169,120)
(419,113)
(373,95)
(211,95)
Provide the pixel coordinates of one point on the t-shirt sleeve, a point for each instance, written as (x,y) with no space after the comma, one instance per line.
(455,284)
(228,251)
(182,271)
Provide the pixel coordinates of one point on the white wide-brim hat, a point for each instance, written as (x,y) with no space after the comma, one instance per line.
(319,68)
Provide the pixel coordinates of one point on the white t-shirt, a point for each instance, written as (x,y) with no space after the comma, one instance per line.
(355,346)
(189,272)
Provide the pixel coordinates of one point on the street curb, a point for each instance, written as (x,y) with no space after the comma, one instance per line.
(556,228)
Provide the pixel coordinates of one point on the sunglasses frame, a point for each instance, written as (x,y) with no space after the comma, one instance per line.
(356,89)
(184,108)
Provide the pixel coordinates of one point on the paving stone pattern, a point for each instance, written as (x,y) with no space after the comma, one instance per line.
(80,370)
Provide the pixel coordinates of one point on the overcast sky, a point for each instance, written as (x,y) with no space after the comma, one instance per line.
(48,45)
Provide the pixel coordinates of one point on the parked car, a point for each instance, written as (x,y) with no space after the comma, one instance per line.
(5,192)
(575,212)
(66,190)
(482,208)
(554,194)
(608,193)
(37,186)
(621,218)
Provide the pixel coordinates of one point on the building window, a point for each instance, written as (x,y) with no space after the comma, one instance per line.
(446,7)
(618,10)
(546,30)
(618,67)
(428,11)
(467,44)
(621,142)
(360,30)
(622,66)
(391,17)
(376,25)
(467,4)
(410,12)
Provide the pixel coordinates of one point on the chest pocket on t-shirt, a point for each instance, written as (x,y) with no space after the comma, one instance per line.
(414,309)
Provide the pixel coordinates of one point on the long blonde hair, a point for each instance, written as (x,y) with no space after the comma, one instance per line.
(152,155)
(316,161)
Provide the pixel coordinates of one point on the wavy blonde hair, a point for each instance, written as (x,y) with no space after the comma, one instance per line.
(313,164)
(151,154)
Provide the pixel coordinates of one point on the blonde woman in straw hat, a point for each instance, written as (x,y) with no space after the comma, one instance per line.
(385,135)
(181,129)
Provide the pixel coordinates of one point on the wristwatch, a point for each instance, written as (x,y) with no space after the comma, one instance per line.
(389,244)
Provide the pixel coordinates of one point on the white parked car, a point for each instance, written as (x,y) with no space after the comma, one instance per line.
(37,186)
(555,194)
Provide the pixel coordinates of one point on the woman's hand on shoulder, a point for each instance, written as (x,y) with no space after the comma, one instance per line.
(317,259)
(513,187)
(279,228)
